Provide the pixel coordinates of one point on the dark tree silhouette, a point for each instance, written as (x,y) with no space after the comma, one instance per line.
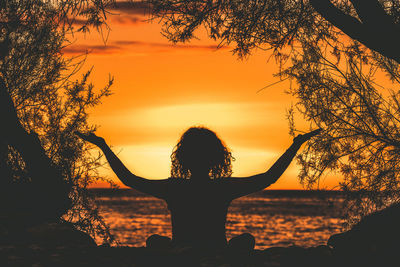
(371,22)
(44,168)
(277,23)
(334,79)
(361,125)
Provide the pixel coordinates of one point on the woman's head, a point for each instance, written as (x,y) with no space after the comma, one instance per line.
(200,150)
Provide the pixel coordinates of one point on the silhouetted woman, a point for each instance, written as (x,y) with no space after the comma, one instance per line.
(200,188)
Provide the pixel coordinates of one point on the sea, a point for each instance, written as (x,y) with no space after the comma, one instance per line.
(274,217)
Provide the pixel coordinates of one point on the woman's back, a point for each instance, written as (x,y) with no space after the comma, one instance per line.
(198,211)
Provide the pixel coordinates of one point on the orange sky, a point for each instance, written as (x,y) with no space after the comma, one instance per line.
(160,90)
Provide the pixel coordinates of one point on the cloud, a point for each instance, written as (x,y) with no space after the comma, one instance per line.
(92,49)
(122,12)
(168,45)
(129,7)
(115,18)
(127,19)
(123,45)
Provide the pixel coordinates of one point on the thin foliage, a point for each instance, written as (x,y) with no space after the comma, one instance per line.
(48,101)
(361,139)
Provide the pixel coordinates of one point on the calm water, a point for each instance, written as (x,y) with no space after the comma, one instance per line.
(275,218)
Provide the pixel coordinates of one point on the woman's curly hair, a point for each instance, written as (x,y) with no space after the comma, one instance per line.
(200,146)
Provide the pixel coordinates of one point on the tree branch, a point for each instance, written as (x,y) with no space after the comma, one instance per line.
(384,40)
(372,13)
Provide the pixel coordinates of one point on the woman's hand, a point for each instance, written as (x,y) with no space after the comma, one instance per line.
(91,138)
(302,138)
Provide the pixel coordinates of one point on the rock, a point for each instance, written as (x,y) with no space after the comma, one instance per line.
(46,235)
(374,241)
(243,243)
(158,242)
(59,234)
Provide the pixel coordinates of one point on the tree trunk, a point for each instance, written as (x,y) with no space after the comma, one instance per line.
(45,197)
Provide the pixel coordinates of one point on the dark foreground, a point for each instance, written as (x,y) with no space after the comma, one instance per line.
(130,256)
(141,256)
(374,241)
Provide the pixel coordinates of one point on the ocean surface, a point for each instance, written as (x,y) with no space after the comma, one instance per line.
(274,217)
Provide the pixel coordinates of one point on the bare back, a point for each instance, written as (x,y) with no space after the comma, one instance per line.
(198,211)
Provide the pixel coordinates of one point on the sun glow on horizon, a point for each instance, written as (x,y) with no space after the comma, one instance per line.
(153,131)
(182,116)
(160,90)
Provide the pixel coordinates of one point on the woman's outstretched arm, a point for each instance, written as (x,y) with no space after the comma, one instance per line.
(157,188)
(243,186)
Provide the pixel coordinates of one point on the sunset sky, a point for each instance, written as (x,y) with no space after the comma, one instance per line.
(160,90)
